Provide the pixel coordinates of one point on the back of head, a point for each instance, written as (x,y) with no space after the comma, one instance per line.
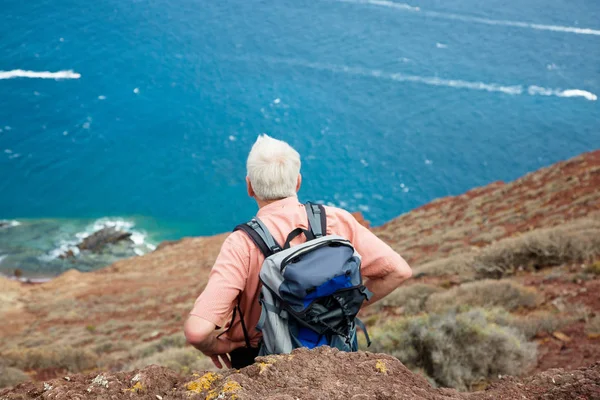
(273,168)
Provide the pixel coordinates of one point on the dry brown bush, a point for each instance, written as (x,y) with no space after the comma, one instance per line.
(69,358)
(487,293)
(578,241)
(411,298)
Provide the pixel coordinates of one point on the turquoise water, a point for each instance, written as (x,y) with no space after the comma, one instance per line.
(390,104)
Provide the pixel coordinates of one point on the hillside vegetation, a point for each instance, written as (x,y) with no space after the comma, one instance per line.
(505,283)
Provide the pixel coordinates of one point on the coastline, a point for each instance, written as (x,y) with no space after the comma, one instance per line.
(398,232)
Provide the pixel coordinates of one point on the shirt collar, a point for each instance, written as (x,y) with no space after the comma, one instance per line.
(278,205)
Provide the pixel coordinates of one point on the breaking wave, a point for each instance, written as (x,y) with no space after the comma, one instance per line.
(436,81)
(20,73)
(479,20)
(8,223)
(139,238)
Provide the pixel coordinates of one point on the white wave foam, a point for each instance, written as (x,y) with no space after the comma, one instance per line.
(479,20)
(441,45)
(578,93)
(9,223)
(437,81)
(2,258)
(140,245)
(384,3)
(537,90)
(20,73)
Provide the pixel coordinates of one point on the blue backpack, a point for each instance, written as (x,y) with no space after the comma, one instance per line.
(312,292)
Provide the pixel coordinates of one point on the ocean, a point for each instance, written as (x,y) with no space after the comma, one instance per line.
(140,114)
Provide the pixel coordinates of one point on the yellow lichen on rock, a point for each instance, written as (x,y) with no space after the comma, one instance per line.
(381,367)
(262,366)
(138,387)
(228,391)
(203,383)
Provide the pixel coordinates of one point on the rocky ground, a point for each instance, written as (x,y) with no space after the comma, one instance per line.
(130,314)
(316,374)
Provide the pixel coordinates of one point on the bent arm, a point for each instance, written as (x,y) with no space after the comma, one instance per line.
(382,268)
(382,286)
(199,332)
(214,305)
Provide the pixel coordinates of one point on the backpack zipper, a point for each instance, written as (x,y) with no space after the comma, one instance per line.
(285,261)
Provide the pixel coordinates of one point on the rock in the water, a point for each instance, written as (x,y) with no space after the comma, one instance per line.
(67,254)
(98,240)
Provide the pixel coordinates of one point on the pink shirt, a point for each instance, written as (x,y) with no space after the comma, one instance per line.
(238,265)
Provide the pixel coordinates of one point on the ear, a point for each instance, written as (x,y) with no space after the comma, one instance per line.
(249,188)
(299,183)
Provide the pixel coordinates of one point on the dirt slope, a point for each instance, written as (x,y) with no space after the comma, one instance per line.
(548,197)
(305,374)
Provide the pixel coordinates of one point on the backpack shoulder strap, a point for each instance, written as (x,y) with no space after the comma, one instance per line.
(260,235)
(317,219)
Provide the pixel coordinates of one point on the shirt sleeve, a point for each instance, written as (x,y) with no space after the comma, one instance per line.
(226,280)
(378,258)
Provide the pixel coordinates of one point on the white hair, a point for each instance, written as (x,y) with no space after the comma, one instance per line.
(273,167)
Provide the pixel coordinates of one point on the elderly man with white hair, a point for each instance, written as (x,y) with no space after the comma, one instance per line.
(273,180)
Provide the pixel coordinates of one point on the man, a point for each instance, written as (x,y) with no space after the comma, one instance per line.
(273,179)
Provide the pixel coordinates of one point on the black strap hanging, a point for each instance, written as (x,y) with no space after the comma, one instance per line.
(238,309)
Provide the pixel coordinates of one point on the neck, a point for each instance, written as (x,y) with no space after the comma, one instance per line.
(263,203)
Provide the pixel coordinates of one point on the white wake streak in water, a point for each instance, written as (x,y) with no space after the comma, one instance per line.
(479,20)
(19,73)
(532,90)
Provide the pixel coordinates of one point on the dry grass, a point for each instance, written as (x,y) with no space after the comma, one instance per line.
(182,360)
(176,340)
(457,350)
(10,376)
(592,327)
(540,322)
(487,293)
(578,241)
(63,357)
(593,268)
(460,264)
(411,298)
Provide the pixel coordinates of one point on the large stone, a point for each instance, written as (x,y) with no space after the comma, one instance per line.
(98,240)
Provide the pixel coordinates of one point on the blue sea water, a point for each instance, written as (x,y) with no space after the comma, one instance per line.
(390,104)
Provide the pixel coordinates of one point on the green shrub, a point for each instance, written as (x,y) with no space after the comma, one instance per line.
(457,349)
(578,241)
(411,298)
(69,358)
(486,293)
(10,376)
